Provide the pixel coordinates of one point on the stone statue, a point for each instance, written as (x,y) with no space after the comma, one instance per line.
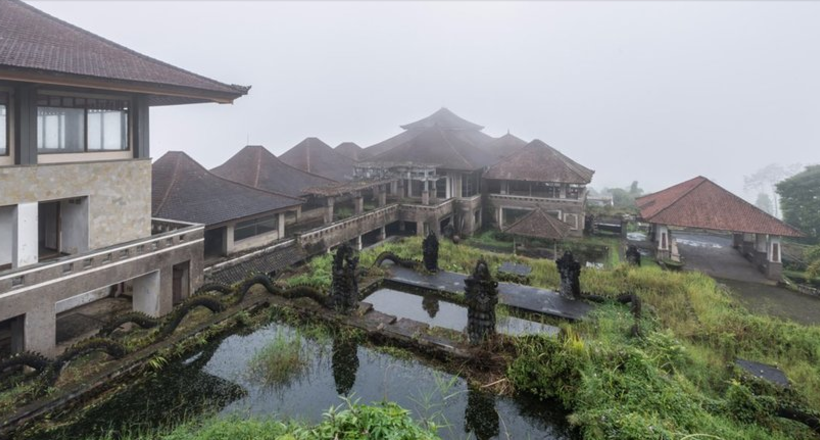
(430,252)
(481,293)
(570,271)
(344,289)
(633,256)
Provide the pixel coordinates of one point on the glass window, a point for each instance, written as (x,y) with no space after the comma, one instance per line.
(4,121)
(255,227)
(67,124)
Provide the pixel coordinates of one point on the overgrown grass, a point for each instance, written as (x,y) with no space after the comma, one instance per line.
(281,361)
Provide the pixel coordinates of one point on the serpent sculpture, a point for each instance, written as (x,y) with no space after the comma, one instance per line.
(138,318)
(395,259)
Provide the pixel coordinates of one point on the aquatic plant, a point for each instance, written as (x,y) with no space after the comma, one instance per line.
(279,362)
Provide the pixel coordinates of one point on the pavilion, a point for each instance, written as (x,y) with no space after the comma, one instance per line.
(540,224)
(700,203)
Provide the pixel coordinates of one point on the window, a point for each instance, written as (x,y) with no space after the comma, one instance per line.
(70,125)
(4,121)
(257,226)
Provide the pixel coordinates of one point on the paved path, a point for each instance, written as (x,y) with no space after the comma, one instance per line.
(714,256)
(521,297)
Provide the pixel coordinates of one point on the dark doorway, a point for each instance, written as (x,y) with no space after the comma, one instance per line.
(11,336)
(49,233)
(214,243)
(181,281)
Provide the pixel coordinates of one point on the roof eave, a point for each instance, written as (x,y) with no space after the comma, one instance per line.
(183,94)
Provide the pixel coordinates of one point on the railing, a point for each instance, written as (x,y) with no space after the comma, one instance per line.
(71,265)
(162,225)
(419,207)
(325,230)
(281,244)
(578,201)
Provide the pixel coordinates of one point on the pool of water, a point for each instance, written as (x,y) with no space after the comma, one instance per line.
(222,379)
(432,310)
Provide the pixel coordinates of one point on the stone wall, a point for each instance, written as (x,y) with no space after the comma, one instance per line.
(119,194)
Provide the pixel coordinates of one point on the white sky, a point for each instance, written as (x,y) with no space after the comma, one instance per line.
(657,92)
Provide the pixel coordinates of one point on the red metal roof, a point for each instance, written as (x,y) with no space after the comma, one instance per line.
(538,162)
(702,204)
(37,47)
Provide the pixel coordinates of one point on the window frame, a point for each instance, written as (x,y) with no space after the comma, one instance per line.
(254,223)
(86,97)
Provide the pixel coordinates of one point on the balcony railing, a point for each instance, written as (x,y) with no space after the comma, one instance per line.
(536,199)
(71,265)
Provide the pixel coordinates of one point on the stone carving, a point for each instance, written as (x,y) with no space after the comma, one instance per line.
(481,293)
(570,271)
(344,289)
(430,252)
(633,256)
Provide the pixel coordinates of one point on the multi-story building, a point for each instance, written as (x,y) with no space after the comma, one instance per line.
(75,176)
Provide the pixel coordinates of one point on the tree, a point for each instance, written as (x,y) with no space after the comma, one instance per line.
(634,191)
(813,271)
(765,179)
(764,202)
(800,200)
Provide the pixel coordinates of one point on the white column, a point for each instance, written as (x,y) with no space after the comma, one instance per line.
(281,224)
(147,293)
(359,243)
(227,246)
(25,235)
(773,249)
(662,235)
(448,191)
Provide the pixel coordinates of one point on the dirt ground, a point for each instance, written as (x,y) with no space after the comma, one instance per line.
(714,256)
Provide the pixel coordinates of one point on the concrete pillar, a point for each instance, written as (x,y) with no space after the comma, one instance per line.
(425,194)
(25,235)
(298,213)
(382,198)
(562,194)
(382,233)
(328,217)
(500,218)
(409,186)
(503,184)
(457,185)
(737,240)
(281,224)
(663,240)
(147,294)
(40,333)
(420,229)
(400,188)
(774,264)
(359,243)
(431,189)
(448,187)
(760,250)
(358,203)
(227,241)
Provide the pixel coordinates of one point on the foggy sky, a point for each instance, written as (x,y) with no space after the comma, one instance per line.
(657,92)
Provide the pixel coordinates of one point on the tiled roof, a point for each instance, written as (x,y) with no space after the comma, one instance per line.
(504,145)
(448,149)
(538,162)
(314,156)
(36,45)
(276,260)
(444,119)
(183,190)
(701,203)
(255,166)
(539,224)
(352,151)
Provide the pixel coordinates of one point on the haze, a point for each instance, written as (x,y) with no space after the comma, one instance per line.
(654,92)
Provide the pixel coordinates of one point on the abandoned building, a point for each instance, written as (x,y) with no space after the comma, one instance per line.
(701,204)
(352,150)
(316,157)
(237,217)
(75,173)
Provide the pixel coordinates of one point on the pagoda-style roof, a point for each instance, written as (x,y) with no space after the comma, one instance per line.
(505,145)
(702,204)
(448,149)
(255,166)
(444,119)
(538,162)
(352,150)
(182,189)
(314,156)
(539,224)
(36,47)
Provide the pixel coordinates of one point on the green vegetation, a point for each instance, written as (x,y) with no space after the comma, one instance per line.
(348,421)
(281,361)
(674,382)
(800,200)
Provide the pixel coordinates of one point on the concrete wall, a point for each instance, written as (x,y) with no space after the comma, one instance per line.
(6,225)
(119,194)
(74,218)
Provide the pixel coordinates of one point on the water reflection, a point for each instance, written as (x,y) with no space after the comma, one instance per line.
(345,363)
(430,304)
(480,417)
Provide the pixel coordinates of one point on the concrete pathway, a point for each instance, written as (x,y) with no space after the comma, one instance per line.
(526,298)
